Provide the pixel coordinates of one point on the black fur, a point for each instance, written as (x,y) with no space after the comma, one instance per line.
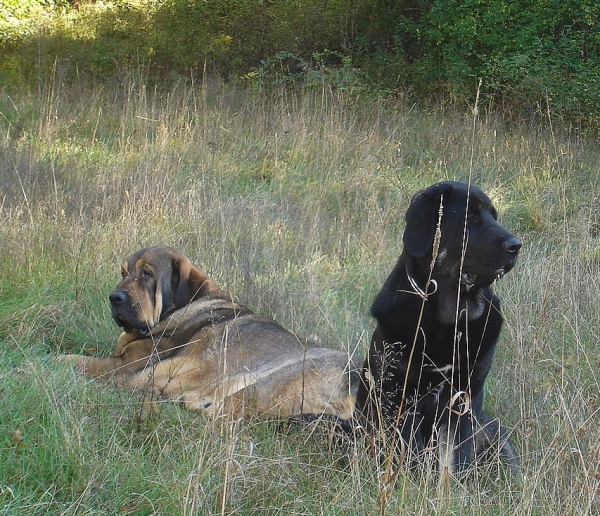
(432,350)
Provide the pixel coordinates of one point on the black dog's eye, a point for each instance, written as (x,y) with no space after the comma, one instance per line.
(473,215)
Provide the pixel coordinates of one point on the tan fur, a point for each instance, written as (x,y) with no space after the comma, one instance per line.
(211,354)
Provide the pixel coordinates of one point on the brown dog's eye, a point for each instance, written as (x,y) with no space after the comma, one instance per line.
(147,275)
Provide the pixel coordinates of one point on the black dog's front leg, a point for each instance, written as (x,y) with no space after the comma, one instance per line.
(410,441)
(455,429)
(463,409)
(455,443)
(465,446)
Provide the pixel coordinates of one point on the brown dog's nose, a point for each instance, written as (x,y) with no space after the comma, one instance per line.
(117,297)
(512,244)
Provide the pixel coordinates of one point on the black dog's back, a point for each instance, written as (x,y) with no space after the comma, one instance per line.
(438,322)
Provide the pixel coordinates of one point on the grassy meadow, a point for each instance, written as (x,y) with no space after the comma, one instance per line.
(294,202)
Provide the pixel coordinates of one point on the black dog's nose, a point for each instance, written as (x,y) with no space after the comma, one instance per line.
(117,297)
(512,244)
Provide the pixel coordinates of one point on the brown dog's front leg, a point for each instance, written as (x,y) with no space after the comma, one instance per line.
(100,368)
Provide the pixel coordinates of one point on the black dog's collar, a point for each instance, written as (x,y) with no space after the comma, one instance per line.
(418,290)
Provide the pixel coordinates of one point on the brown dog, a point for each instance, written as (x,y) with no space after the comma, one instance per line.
(186,341)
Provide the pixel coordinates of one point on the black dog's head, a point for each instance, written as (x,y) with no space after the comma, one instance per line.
(472,247)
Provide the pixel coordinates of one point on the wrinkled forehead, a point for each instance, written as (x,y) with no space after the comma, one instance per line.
(132,264)
(152,259)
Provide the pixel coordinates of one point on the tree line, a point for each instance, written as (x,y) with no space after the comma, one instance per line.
(520,54)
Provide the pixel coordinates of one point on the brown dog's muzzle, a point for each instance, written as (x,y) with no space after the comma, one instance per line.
(128,313)
(117,297)
(119,305)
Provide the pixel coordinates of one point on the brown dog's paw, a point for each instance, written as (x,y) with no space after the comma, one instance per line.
(76,361)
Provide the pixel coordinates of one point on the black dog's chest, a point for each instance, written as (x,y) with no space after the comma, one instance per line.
(447,354)
(443,350)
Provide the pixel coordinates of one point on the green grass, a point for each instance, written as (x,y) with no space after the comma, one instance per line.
(295,203)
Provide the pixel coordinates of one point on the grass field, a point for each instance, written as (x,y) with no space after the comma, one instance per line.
(294,202)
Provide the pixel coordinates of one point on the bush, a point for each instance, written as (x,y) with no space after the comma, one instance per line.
(19,19)
(531,54)
(531,58)
(229,37)
(233,36)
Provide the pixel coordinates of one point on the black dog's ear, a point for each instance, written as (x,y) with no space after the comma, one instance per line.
(190,283)
(421,221)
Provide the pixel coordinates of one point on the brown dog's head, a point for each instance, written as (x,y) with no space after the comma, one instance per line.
(156,281)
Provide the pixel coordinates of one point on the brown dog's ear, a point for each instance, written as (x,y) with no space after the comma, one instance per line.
(422,218)
(190,283)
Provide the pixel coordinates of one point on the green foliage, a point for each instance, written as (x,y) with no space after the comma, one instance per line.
(232,36)
(19,19)
(229,37)
(526,53)
(103,42)
(532,58)
(324,69)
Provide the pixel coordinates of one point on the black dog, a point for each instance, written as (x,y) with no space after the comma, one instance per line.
(438,322)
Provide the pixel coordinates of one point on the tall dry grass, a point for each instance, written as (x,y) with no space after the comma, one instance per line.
(293,201)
